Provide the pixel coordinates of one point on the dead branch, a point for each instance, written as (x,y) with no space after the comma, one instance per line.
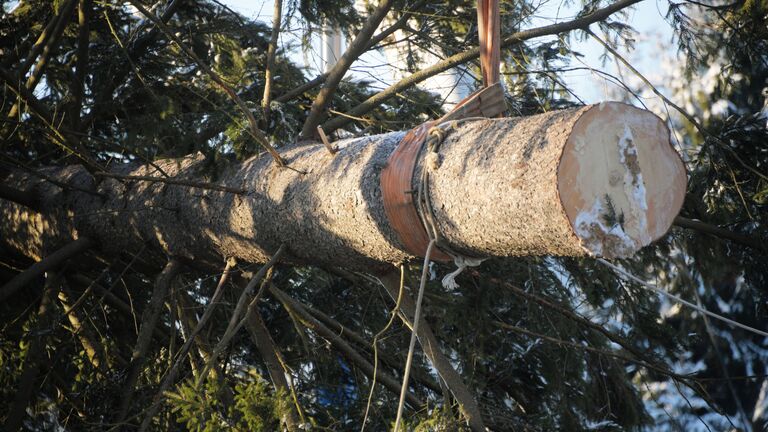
(355,49)
(467,404)
(469,55)
(277,16)
(48,263)
(149,320)
(350,353)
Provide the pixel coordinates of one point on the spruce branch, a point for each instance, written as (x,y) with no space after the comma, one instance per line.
(254,130)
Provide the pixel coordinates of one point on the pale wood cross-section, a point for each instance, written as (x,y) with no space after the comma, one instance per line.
(620,181)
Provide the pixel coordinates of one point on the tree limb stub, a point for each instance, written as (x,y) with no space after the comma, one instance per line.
(599,180)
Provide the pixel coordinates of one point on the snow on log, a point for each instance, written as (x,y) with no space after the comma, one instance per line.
(598,180)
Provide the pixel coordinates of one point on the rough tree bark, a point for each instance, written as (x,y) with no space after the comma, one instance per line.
(597,180)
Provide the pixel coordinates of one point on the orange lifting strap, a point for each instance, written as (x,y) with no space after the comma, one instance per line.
(396,182)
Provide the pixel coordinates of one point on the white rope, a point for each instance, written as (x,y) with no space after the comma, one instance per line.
(462,262)
(435,137)
(416,319)
(680,300)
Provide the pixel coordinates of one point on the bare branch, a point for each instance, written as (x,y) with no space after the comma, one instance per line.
(469,55)
(47,264)
(149,320)
(236,321)
(355,49)
(277,16)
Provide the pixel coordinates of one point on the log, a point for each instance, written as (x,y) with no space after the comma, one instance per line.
(601,180)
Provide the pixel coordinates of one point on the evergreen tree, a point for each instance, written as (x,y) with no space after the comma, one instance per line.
(543,343)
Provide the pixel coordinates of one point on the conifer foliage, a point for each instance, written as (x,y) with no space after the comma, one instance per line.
(132,341)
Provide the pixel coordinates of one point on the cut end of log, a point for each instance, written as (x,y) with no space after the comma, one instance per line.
(620,180)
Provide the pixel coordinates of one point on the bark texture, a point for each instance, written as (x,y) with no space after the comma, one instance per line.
(496,193)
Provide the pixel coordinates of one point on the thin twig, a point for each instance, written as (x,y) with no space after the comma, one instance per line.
(235,322)
(184,350)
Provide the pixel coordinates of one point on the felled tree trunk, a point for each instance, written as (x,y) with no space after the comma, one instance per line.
(599,180)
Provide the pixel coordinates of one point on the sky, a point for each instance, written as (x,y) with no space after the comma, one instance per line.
(651,50)
(647,18)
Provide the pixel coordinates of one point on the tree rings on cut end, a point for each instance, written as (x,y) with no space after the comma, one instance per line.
(620,181)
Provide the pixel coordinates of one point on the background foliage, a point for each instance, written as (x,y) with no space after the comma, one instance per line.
(545,343)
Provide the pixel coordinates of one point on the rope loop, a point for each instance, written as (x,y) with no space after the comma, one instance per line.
(434,139)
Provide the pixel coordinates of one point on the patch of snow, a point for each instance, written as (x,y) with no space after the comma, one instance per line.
(634,186)
(587,225)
